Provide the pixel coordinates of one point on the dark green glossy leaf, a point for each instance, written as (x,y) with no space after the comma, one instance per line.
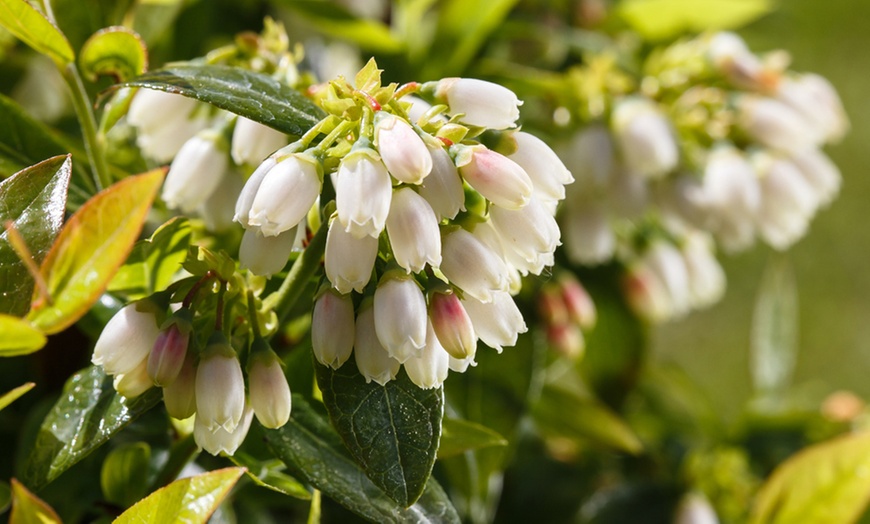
(12,396)
(27,508)
(252,95)
(34,200)
(314,453)
(113,51)
(153,262)
(270,475)
(19,337)
(124,477)
(87,414)
(334,20)
(391,430)
(189,500)
(458,436)
(661,19)
(34,29)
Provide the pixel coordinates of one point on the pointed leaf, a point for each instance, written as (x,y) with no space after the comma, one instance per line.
(824,484)
(255,96)
(335,20)
(661,19)
(270,475)
(34,200)
(87,414)
(13,395)
(392,430)
(34,29)
(27,508)
(124,476)
(189,500)
(114,51)
(19,337)
(459,436)
(154,262)
(314,453)
(92,245)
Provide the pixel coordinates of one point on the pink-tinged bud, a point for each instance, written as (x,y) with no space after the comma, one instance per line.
(531,233)
(332,329)
(695,509)
(482,103)
(452,325)
(217,211)
(249,192)
(545,169)
(170,349)
(645,137)
(443,187)
(578,303)
(263,255)
(567,340)
(706,277)
(371,357)
(818,102)
(413,230)
(430,368)
(268,389)
(127,338)
(498,178)
(134,382)
(349,259)
(220,386)
(286,194)
(179,397)
(589,238)
(775,124)
(646,294)
(401,148)
(363,190)
(472,266)
(220,440)
(252,141)
(196,171)
(400,316)
(460,365)
(497,323)
(551,307)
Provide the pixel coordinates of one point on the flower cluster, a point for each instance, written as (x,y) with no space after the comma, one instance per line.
(711,140)
(566,310)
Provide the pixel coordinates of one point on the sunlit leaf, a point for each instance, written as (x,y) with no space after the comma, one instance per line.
(773,343)
(255,96)
(154,261)
(34,201)
(334,20)
(824,484)
(458,436)
(314,453)
(19,337)
(88,412)
(661,19)
(113,51)
(270,474)
(27,508)
(34,29)
(13,395)
(189,500)
(92,245)
(124,476)
(391,430)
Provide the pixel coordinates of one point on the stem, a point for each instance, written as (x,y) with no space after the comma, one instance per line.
(252,314)
(94,143)
(343,128)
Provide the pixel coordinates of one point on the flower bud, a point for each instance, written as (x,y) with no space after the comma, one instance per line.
(472,266)
(268,389)
(482,103)
(263,255)
(170,348)
(127,338)
(498,178)
(349,259)
(400,316)
(253,141)
(578,303)
(443,187)
(497,323)
(551,307)
(134,382)
(429,369)
(645,137)
(371,358)
(646,294)
(249,192)
(545,169)
(452,325)
(413,230)
(401,148)
(196,172)
(219,439)
(567,340)
(179,397)
(220,386)
(332,329)
(363,190)
(286,194)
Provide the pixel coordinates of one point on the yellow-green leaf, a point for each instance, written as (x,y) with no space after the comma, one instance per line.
(459,436)
(90,248)
(27,508)
(114,51)
(34,29)
(661,19)
(827,483)
(188,500)
(13,395)
(19,337)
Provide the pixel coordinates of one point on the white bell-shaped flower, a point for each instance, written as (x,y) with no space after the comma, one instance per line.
(589,238)
(472,266)
(400,316)
(249,192)
(498,178)
(332,329)
(371,357)
(286,194)
(817,101)
(267,388)
(788,202)
(645,137)
(363,190)
(498,323)
(218,210)
(134,382)
(151,109)
(402,150)
(127,338)
(481,103)
(220,387)
(731,197)
(220,440)
(775,124)
(730,55)
(668,265)
(460,365)
(819,172)
(443,187)
(413,230)
(262,255)
(349,259)
(548,174)
(252,141)
(530,232)
(196,172)
(429,369)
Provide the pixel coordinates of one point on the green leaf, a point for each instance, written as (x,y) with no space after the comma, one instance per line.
(88,412)
(314,453)
(92,245)
(773,343)
(13,395)
(252,95)
(34,200)
(823,484)
(336,21)
(19,337)
(270,475)
(27,508)
(189,500)
(114,51)
(154,262)
(34,29)
(662,19)
(459,436)
(392,431)
(124,476)
(5,496)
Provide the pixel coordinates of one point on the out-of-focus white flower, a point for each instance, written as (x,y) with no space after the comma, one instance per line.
(452,325)
(249,191)
(127,338)
(349,259)
(217,211)
(589,156)
(589,238)
(164,143)
(285,194)
(482,103)
(401,148)
(413,230)
(472,266)
(646,293)
(818,102)
(400,316)
(819,172)
(443,187)
(332,329)
(268,390)
(629,193)
(775,124)
(731,197)
(788,201)
(362,193)
(695,509)
(548,174)
(645,137)
(152,109)
(252,141)
(430,368)
(531,233)
(179,397)
(196,172)
(578,304)
(134,382)
(371,357)
(498,178)
(706,277)
(220,440)
(220,387)
(262,255)
(498,323)
(667,265)
(730,56)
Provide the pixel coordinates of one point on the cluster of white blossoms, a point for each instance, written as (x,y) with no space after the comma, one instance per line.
(712,145)
(432,229)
